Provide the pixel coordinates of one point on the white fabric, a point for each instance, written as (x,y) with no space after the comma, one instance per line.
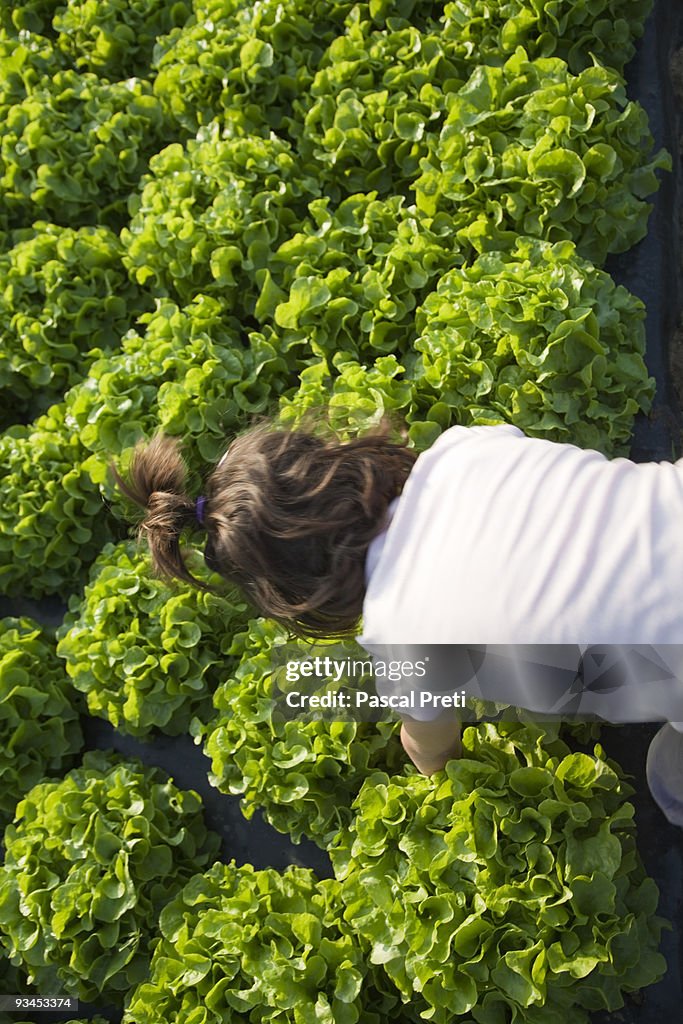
(499,538)
(376,546)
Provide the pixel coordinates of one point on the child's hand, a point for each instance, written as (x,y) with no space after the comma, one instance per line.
(431,745)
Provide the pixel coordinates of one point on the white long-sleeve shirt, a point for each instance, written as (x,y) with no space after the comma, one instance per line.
(499,538)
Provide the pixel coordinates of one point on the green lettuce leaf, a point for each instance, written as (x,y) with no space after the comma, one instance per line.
(147,655)
(242,944)
(89,864)
(535,336)
(529,148)
(507,886)
(40,732)
(303,775)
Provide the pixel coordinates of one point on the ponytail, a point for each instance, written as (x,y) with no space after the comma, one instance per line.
(157,481)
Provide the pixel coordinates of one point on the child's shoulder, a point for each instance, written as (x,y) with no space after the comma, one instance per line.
(459,434)
(480,429)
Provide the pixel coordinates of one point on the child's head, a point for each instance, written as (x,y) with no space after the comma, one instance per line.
(288,515)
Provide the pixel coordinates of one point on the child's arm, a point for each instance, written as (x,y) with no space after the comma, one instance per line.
(430,745)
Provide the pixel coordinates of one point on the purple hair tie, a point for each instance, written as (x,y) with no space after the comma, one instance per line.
(199,510)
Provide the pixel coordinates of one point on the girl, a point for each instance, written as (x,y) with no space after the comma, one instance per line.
(489,537)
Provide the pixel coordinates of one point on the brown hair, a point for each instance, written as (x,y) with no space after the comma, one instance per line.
(289,516)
